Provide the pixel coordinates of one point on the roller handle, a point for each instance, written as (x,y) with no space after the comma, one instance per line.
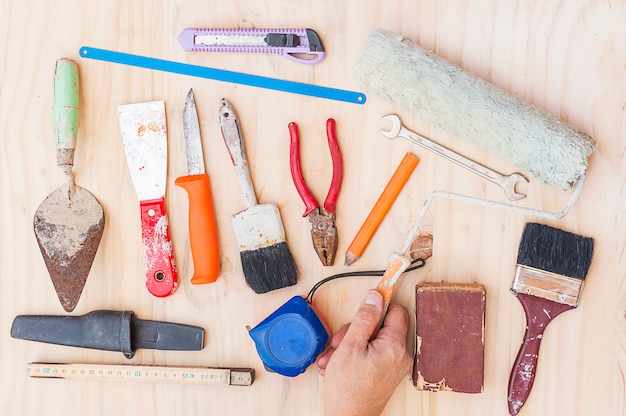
(202,228)
(539,313)
(396,265)
(161,277)
(65,112)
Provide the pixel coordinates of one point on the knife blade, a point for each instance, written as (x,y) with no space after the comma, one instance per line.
(144,135)
(202,224)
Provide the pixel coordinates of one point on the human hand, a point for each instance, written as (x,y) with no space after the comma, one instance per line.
(360,373)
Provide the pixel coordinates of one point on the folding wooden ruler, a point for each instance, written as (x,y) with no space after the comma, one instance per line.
(144,373)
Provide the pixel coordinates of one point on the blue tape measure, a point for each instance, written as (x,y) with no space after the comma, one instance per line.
(291,338)
(222,75)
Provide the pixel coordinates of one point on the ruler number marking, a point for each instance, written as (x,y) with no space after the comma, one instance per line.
(195,375)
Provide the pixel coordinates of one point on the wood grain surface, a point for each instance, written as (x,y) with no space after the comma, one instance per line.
(565,57)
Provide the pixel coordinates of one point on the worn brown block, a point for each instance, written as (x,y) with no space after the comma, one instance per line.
(450,337)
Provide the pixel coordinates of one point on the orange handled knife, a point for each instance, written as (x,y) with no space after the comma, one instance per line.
(202,223)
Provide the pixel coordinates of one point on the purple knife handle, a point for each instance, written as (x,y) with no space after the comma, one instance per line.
(304,52)
(311,57)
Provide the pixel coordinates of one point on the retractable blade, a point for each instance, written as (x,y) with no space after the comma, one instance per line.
(202,223)
(299,45)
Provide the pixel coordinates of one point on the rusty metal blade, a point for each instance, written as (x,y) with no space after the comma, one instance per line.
(68,231)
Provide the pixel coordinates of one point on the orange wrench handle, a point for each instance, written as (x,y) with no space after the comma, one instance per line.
(202,228)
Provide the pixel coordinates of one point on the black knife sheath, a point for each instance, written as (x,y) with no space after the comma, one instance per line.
(108,330)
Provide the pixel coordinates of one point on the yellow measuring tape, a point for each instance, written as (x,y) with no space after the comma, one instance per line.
(144,373)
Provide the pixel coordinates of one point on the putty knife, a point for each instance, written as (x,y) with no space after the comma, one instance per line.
(144,135)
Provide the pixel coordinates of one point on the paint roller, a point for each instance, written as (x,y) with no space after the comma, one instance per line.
(439,92)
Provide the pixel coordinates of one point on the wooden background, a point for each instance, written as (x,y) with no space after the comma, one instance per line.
(566,57)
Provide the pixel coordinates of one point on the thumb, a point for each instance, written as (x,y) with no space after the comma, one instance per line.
(366,319)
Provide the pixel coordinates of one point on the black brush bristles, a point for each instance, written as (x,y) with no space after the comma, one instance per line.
(269,268)
(554,250)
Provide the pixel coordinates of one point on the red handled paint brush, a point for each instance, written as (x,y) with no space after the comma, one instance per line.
(551,268)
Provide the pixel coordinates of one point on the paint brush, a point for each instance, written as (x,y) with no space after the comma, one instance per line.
(551,268)
(265,257)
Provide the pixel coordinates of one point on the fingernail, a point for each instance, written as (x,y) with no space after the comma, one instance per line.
(372,298)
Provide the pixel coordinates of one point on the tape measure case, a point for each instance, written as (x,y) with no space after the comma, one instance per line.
(291,338)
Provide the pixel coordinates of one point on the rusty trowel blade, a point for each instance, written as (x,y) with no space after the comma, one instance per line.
(68,225)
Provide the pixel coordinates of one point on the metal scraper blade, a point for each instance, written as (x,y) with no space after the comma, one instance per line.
(68,234)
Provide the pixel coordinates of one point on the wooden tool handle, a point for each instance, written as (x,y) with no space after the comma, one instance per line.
(539,313)
(161,278)
(65,112)
(396,265)
(233,138)
(202,228)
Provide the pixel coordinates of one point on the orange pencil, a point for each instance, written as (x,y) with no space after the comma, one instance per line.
(384,202)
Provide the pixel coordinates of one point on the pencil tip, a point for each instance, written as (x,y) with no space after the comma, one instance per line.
(350,258)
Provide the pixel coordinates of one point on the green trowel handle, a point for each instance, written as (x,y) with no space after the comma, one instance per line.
(65,110)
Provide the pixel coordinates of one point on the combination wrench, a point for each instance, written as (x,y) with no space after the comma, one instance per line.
(506,182)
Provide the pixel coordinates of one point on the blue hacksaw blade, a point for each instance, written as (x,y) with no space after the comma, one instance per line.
(223,75)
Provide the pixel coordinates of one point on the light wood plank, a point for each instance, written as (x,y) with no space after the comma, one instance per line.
(566,57)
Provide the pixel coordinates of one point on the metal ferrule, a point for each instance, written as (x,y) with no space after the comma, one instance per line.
(547,285)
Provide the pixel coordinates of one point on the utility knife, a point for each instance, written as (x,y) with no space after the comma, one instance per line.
(299,45)
(202,223)
(144,135)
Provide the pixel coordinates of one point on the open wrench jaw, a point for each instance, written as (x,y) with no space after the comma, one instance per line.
(509,186)
(396,126)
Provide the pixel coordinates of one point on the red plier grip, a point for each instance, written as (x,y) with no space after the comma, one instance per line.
(296,173)
(330,204)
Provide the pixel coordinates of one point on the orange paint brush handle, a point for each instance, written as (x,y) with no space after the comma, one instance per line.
(382,206)
(202,228)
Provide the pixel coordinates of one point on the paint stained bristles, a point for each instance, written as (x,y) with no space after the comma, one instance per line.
(269,268)
(554,250)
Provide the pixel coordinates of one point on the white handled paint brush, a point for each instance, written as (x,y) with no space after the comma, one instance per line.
(265,257)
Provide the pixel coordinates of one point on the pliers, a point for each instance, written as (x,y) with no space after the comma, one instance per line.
(323,231)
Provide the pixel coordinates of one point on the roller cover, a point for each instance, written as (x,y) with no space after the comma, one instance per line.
(439,92)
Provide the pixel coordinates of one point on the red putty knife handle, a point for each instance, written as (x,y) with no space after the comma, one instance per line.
(161,278)
(539,313)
